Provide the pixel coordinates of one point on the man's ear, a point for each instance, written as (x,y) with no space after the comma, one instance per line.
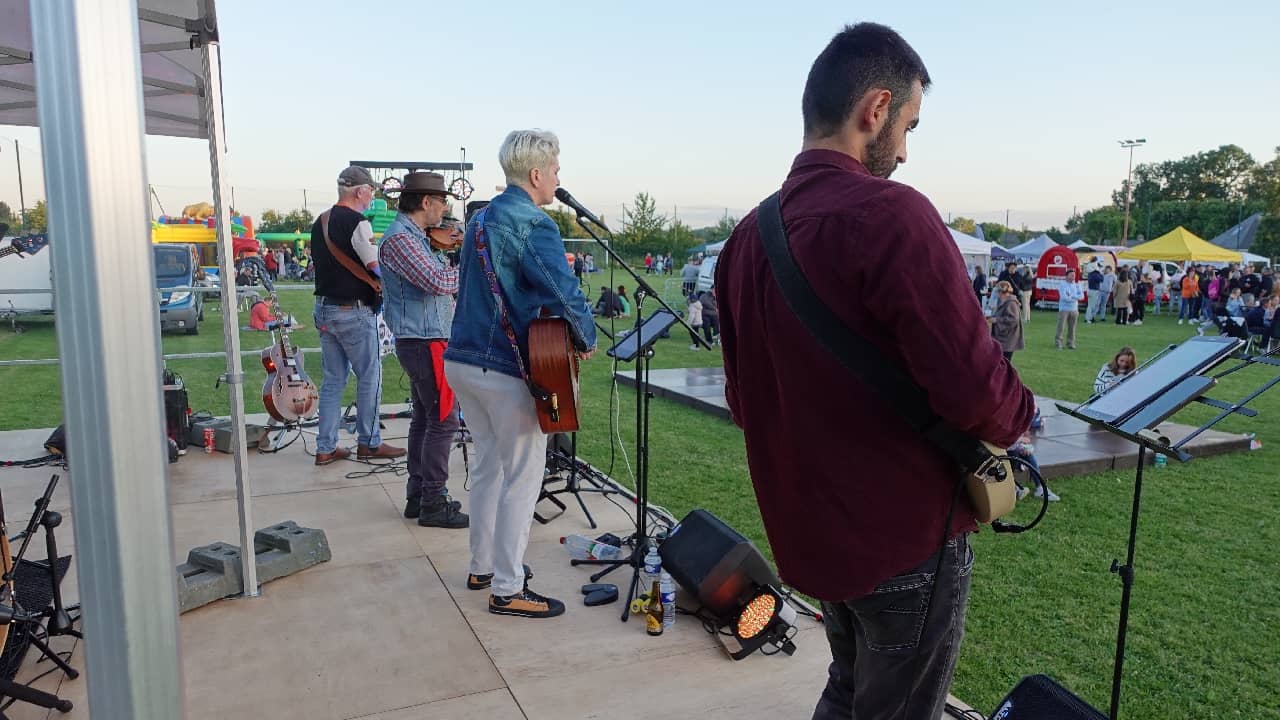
(875,109)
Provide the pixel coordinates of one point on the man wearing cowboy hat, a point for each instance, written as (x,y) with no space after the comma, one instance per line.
(346,317)
(447,234)
(418,286)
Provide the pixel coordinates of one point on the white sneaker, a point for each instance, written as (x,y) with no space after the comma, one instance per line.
(693,347)
(1022,491)
(1052,496)
(1136,322)
(1179,321)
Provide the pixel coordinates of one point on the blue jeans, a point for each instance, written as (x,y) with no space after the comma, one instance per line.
(1187,309)
(348,343)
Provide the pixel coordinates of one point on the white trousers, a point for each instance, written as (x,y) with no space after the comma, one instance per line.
(506,475)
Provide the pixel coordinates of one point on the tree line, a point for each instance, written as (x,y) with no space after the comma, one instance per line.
(1207,192)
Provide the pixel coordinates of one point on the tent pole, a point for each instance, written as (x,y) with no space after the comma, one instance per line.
(210,54)
(89,101)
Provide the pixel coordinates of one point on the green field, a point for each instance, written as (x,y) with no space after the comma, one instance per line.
(1204,639)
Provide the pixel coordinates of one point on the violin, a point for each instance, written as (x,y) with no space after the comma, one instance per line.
(446,239)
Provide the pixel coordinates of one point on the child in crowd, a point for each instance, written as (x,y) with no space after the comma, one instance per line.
(1113,372)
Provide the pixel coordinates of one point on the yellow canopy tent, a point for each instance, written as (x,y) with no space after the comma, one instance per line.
(1180,244)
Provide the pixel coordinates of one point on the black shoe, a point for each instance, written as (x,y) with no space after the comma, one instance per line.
(526,603)
(482,582)
(413,506)
(443,514)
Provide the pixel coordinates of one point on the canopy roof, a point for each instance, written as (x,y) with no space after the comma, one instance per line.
(172,77)
(1180,244)
(1033,248)
(1241,236)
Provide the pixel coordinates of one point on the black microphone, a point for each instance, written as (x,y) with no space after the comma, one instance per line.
(563,196)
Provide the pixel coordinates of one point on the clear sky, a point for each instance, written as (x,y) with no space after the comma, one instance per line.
(698,103)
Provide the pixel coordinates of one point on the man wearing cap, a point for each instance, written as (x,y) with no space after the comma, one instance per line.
(512,269)
(347,289)
(418,284)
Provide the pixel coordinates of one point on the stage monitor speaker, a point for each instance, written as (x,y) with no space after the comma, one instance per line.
(715,563)
(1038,697)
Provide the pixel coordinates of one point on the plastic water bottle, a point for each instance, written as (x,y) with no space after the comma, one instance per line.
(584,548)
(1161,460)
(653,563)
(667,591)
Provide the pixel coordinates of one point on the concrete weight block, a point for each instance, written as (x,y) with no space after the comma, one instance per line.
(285,548)
(210,573)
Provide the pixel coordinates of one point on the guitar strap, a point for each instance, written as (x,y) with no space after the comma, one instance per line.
(344,259)
(486,264)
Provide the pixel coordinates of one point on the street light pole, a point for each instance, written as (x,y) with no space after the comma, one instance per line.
(1128,185)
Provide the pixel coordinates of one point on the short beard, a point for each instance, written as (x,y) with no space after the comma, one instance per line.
(882,156)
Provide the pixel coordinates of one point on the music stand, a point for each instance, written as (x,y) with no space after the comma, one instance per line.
(1133,408)
(638,346)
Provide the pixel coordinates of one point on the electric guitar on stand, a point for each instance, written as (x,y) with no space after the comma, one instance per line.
(288,394)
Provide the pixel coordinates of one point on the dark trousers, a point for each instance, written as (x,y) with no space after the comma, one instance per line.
(1122,316)
(891,661)
(1139,310)
(430,438)
(710,326)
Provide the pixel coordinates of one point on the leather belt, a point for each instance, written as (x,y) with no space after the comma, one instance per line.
(342,302)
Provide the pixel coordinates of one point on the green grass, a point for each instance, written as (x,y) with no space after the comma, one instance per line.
(1204,637)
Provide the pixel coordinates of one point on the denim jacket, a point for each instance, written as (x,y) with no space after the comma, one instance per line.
(410,311)
(528,259)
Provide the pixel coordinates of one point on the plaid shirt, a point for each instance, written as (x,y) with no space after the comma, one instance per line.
(408,256)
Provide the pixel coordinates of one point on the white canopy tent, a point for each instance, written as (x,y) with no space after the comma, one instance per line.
(1031,250)
(973,250)
(90,73)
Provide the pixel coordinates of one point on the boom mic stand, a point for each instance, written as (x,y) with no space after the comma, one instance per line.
(643,396)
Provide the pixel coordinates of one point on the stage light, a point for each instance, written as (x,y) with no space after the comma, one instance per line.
(765,620)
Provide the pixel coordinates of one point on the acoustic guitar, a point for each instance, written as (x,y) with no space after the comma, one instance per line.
(553,371)
(28,245)
(288,394)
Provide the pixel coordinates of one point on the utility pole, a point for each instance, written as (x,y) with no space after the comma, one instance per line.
(1128,185)
(233,197)
(304,198)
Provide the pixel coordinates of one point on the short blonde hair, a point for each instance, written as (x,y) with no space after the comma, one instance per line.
(525,150)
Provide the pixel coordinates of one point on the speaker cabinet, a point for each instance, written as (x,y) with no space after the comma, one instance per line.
(715,563)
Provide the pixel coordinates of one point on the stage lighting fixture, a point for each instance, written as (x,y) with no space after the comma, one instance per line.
(765,620)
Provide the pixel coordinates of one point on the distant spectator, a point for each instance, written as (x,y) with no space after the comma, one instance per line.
(979,283)
(710,317)
(1235,304)
(1138,300)
(1097,298)
(1108,285)
(1160,286)
(1121,298)
(1111,373)
(689,277)
(623,300)
(1069,297)
(608,305)
(1024,282)
(694,317)
(1006,321)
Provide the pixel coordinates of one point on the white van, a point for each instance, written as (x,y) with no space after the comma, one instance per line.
(706,273)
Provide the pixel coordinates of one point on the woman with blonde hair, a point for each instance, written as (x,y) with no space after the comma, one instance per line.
(1006,321)
(1113,372)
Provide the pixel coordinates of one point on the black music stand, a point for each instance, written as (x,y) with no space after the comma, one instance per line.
(1133,408)
(638,346)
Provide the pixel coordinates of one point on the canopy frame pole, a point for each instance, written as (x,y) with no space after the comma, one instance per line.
(211,59)
(89,91)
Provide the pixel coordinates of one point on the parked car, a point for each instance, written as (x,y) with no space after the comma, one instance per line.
(177,266)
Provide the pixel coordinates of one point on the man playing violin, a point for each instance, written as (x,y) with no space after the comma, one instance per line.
(418,284)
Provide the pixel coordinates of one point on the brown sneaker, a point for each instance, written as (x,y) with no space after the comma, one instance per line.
(384,450)
(337,454)
(526,604)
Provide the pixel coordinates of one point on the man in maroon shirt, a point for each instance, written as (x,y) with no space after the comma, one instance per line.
(853,500)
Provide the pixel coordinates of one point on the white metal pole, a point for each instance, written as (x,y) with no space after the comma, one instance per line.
(89,99)
(211,57)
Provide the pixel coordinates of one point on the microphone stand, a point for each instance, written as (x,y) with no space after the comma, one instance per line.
(643,396)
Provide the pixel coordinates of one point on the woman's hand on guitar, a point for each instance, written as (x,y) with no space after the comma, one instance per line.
(586,355)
